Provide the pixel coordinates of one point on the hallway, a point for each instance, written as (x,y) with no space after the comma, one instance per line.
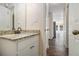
(56,46)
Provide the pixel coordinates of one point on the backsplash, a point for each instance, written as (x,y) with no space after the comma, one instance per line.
(31,31)
(12,32)
(6,32)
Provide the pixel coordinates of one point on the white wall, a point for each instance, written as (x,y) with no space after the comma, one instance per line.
(33,16)
(36,20)
(19,16)
(73,25)
(58,15)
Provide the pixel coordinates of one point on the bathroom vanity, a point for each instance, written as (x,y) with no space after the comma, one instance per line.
(24,44)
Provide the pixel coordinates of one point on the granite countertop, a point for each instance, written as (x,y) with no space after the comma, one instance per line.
(17,36)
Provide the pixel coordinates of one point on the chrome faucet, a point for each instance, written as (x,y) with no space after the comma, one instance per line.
(18,31)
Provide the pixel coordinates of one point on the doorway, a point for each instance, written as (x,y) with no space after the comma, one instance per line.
(57,45)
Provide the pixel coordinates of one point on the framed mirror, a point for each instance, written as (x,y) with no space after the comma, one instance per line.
(6,16)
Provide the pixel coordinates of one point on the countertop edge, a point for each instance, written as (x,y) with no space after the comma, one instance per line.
(19,37)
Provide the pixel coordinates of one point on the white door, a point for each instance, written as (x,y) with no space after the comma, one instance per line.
(73,25)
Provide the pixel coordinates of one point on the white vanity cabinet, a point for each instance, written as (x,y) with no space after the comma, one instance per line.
(26,46)
(29,46)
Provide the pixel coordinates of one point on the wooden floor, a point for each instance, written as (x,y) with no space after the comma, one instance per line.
(56,47)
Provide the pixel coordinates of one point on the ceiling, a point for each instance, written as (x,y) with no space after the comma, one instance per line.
(56,7)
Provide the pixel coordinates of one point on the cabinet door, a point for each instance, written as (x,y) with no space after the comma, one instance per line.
(25,52)
(30,50)
(24,42)
(8,47)
(34,49)
(28,46)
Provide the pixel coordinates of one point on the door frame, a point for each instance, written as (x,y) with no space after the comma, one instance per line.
(66,25)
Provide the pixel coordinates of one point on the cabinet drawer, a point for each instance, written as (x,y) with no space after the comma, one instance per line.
(31,50)
(23,43)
